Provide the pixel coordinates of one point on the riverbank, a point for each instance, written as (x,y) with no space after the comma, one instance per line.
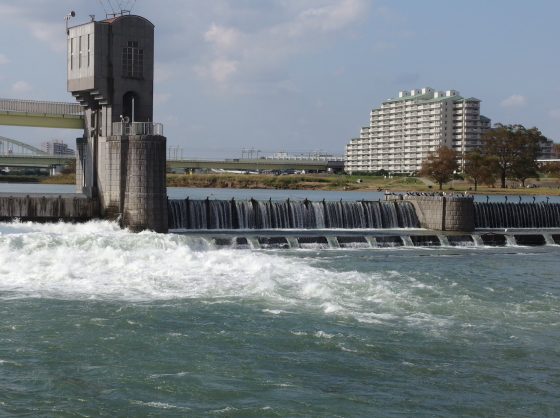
(335,182)
(349,183)
(60,179)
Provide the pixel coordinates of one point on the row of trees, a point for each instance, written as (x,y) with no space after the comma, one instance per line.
(508,151)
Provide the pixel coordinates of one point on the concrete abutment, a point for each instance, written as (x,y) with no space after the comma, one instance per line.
(442,213)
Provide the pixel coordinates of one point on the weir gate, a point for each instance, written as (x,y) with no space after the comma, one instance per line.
(438,213)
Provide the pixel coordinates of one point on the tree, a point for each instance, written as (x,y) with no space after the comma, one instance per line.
(480,168)
(515,148)
(69,167)
(523,169)
(553,167)
(440,165)
(556,151)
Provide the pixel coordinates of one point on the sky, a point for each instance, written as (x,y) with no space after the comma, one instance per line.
(300,75)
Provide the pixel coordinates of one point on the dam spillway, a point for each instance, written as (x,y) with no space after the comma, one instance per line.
(252,214)
(494,215)
(209,214)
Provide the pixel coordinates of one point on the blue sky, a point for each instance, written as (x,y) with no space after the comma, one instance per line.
(301,75)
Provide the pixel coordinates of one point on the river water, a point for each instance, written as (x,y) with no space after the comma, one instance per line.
(96,321)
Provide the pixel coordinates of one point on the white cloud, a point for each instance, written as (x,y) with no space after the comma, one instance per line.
(4,60)
(332,17)
(223,37)
(161,98)
(222,68)
(22,86)
(389,15)
(555,114)
(383,46)
(163,72)
(36,17)
(253,57)
(515,100)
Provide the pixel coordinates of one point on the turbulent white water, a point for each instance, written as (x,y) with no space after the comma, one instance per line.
(95,318)
(98,260)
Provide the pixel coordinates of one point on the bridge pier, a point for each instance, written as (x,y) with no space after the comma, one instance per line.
(55,169)
(132,182)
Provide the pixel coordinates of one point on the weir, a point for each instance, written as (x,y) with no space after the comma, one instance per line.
(517,215)
(253,214)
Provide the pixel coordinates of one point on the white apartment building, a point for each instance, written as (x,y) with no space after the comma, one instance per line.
(56,147)
(404,129)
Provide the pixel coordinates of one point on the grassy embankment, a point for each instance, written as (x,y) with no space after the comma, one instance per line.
(60,179)
(339,182)
(330,182)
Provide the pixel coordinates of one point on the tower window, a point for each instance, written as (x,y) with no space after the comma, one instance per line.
(133,61)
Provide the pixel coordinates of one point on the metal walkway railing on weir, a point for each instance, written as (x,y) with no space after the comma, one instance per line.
(48,108)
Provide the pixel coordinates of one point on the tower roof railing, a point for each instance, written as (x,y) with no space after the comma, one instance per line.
(32,106)
(137,128)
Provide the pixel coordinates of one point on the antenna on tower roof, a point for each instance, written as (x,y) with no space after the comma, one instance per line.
(121,8)
(105,10)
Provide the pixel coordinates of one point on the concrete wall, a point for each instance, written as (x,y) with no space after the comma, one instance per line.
(49,208)
(442,213)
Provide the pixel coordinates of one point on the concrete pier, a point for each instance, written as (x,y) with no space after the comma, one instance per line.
(442,213)
(134,182)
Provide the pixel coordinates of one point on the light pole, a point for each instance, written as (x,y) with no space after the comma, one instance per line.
(255,150)
(67,18)
(453,180)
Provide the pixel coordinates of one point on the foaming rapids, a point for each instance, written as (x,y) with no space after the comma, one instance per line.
(98,260)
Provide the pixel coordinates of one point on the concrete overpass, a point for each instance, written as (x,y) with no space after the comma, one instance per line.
(46,161)
(35,161)
(255,164)
(41,114)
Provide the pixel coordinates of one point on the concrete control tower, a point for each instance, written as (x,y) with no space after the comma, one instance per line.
(121,157)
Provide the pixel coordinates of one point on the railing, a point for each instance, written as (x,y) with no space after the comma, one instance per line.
(31,106)
(137,128)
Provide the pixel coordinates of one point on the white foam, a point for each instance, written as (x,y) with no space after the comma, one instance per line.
(99,261)
(274,311)
(322,334)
